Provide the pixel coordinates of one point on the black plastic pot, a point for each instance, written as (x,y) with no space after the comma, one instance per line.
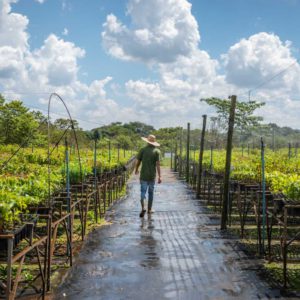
(20,233)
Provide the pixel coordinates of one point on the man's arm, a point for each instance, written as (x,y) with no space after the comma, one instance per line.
(137,165)
(158,171)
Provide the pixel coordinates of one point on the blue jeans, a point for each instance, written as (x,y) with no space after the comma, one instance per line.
(147,185)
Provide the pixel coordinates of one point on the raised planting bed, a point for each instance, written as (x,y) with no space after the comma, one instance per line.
(18,234)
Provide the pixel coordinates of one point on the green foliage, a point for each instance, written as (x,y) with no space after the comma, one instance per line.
(139,128)
(275,270)
(243,114)
(63,124)
(17,124)
(27,272)
(24,181)
(124,142)
(7,205)
(126,136)
(281,172)
(167,137)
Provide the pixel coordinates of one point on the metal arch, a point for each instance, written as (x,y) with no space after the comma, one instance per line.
(49,154)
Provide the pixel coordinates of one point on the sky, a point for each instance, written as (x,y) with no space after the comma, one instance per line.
(151,60)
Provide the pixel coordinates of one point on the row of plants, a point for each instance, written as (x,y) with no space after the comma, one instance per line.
(282,172)
(24,180)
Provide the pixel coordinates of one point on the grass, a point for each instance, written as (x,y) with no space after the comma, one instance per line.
(275,270)
(165,162)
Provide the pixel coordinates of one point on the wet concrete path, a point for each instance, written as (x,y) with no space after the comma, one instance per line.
(176,253)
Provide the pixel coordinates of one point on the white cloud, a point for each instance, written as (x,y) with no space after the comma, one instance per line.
(175,98)
(257,59)
(57,61)
(65,32)
(265,62)
(12,27)
(164,35)
(66,5)
(13,44)
(53,65)
(33,74)
(162,30)
(40,1)
(280,108)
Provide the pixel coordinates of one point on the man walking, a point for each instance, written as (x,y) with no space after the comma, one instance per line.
(149,156)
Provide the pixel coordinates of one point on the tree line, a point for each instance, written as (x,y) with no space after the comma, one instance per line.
(22,126)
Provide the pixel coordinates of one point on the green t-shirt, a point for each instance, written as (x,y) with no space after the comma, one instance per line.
(148,155)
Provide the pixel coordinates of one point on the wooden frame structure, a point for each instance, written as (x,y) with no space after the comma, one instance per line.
(96,194)
(245,212)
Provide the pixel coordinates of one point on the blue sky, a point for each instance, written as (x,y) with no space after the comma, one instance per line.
(84,24)
(154,59)
(222,23)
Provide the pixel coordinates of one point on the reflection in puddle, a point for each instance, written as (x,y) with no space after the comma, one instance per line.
(149,244)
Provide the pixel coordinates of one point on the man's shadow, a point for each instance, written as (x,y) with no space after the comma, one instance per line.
(149,243)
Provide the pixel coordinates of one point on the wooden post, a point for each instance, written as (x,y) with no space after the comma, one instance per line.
(284,250)
(228,163)
(211,157)
(109,154)
(95,181)
(290,150)
(45,273)
(180,152)
(10,246)
(263,184)
(273,138)
(176,155)
(187,171)
(67,158)
(48,251)
(201,156)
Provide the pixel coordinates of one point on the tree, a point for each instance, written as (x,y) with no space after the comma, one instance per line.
(140,128)
(244,117)
(63,124)
(125,142)
(2,100)
(62,128)
(17,124)
(167,137)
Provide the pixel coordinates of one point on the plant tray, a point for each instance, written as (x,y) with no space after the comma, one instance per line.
(294,211)
(25,231)
(40,210)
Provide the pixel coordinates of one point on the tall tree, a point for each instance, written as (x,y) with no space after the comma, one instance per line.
(17,124)
(244,114)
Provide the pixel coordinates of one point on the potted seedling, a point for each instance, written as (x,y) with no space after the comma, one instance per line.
(6,215)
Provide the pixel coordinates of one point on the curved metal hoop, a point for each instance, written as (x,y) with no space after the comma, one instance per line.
(49,136)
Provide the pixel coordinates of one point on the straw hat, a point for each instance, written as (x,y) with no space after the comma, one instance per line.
(151,139)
